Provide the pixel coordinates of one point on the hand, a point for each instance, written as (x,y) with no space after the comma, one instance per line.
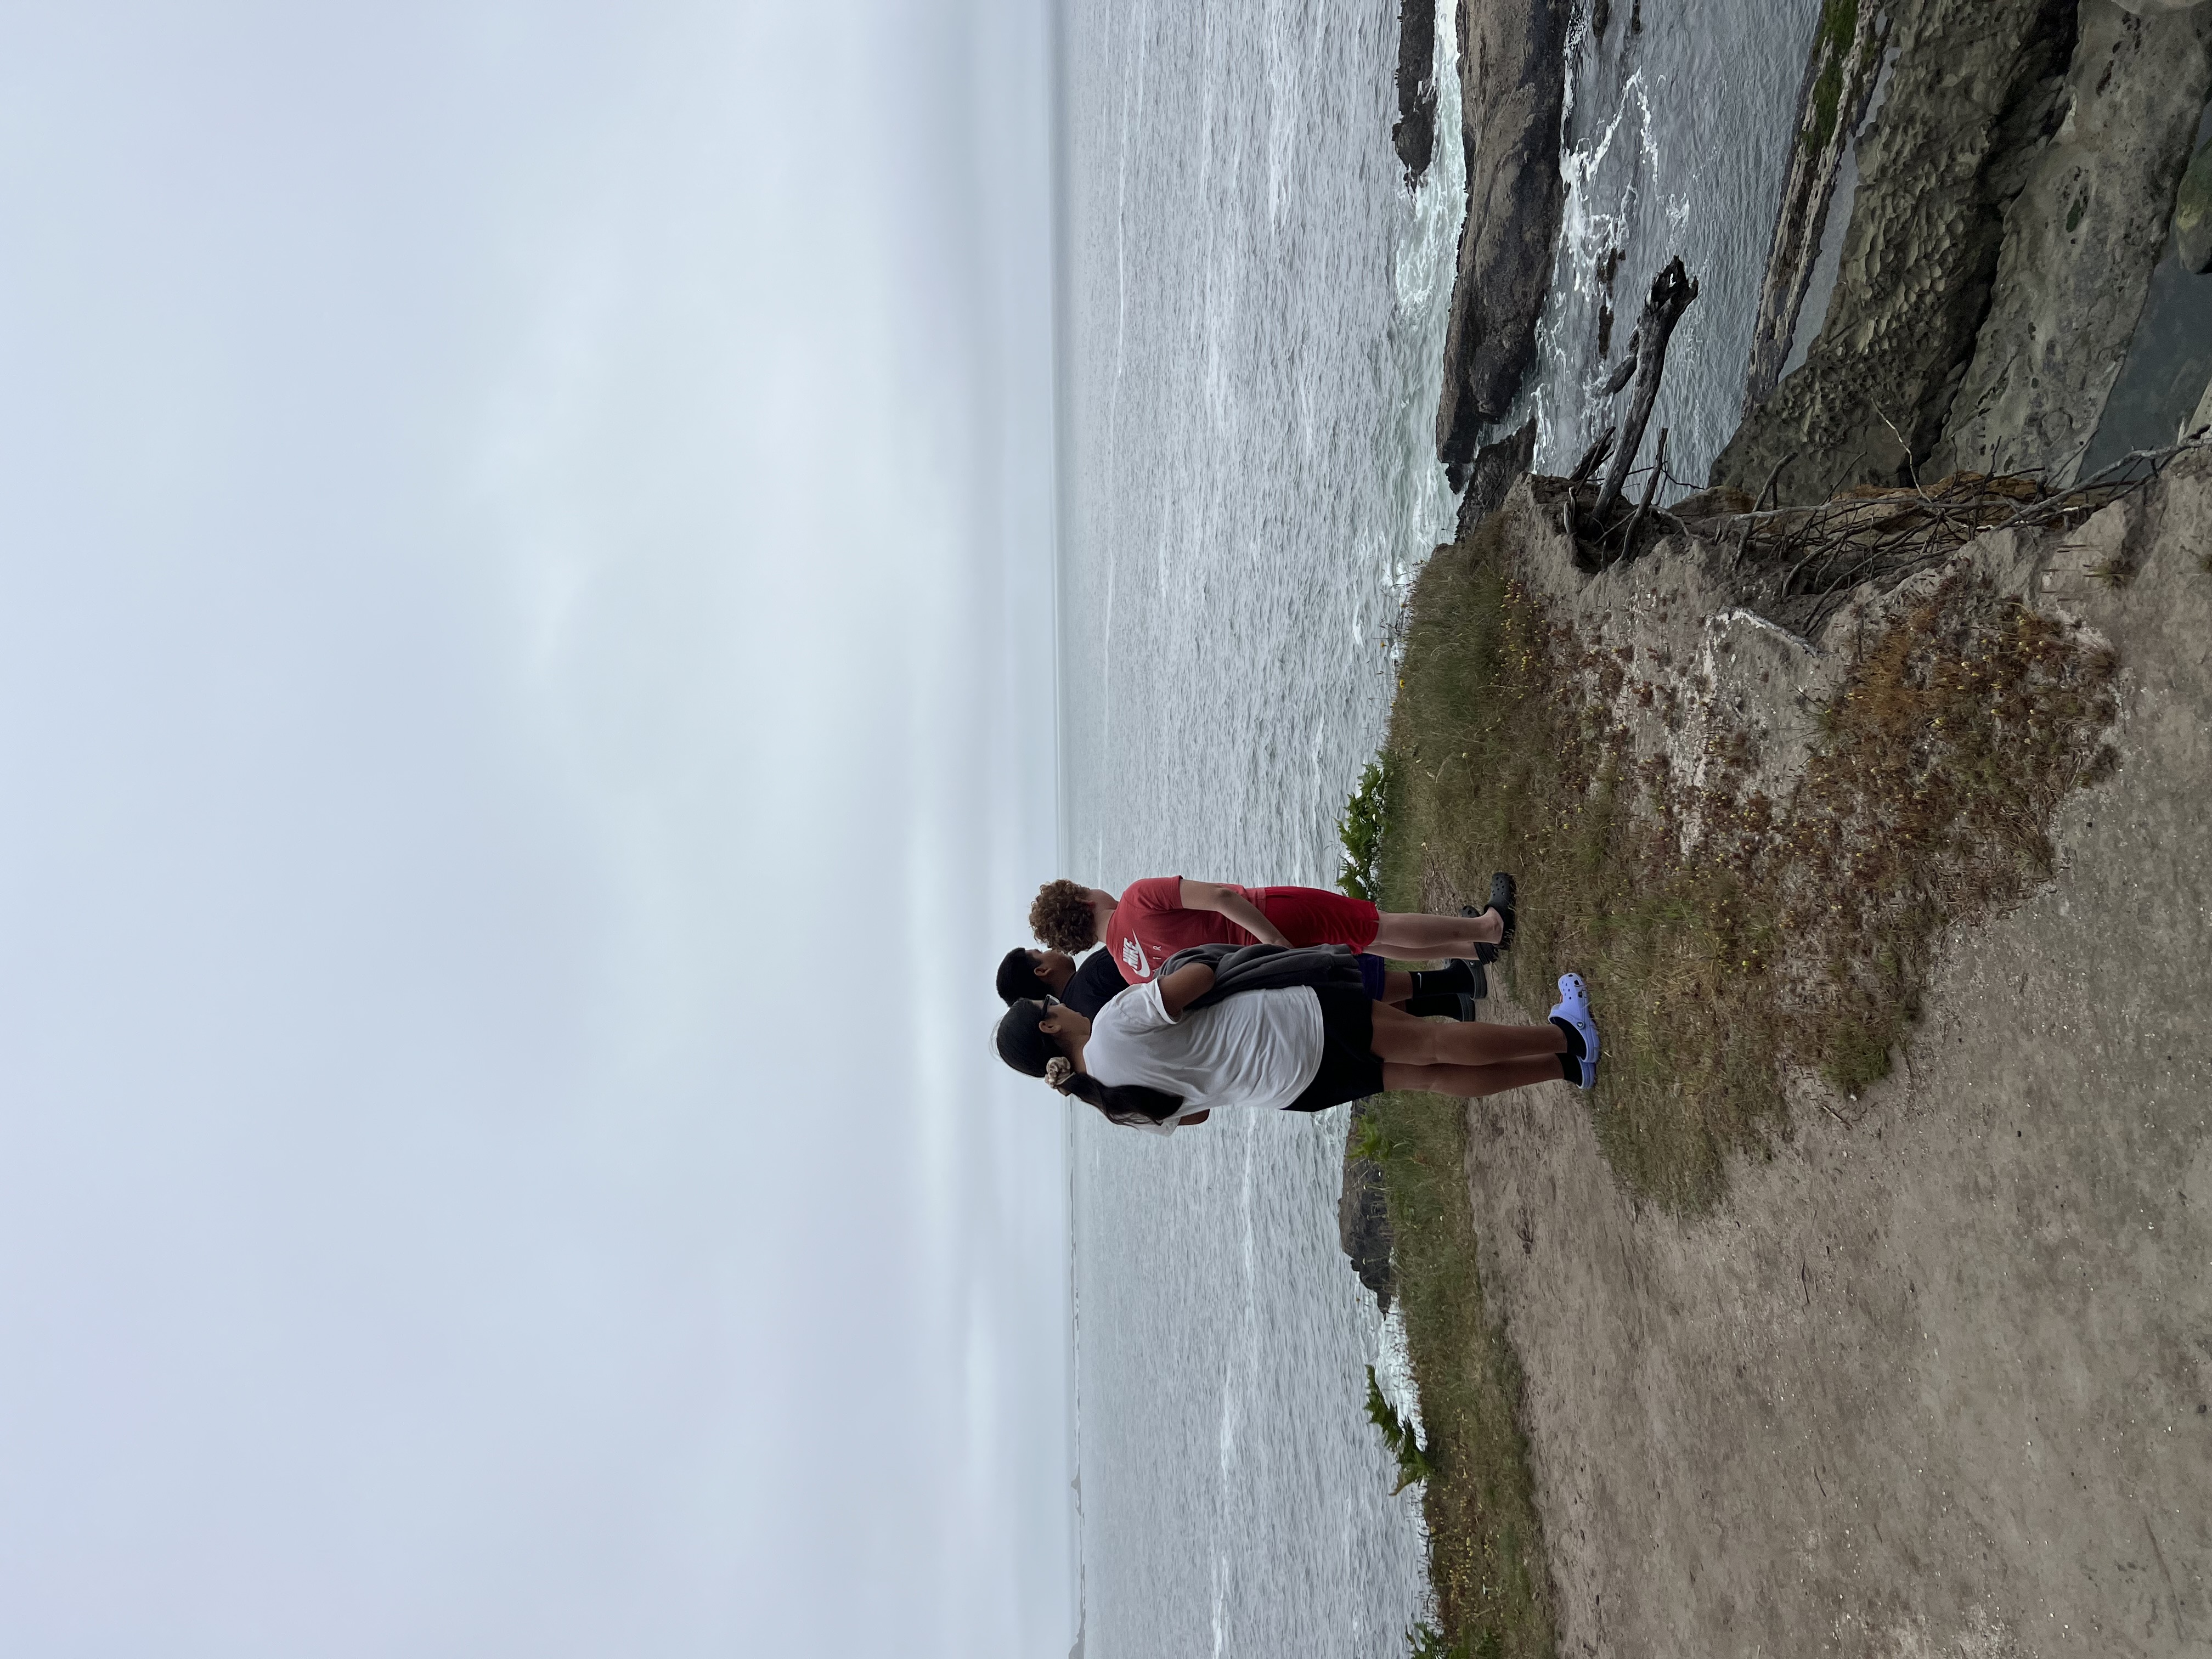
(1225,901)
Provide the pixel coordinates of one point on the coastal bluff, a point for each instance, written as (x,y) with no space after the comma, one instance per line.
(1861,1310)
(1926,1373)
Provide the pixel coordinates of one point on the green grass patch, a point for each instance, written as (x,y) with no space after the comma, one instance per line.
(1486,1560)
(1840,21)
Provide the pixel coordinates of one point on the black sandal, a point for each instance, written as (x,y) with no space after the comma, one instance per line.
(1502,892)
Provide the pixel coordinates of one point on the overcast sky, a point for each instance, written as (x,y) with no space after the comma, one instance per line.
(524,719)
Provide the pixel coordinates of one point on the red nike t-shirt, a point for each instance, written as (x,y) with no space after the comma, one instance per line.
(1149,925)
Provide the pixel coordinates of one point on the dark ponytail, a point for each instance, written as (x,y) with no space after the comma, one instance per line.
(1026,1047)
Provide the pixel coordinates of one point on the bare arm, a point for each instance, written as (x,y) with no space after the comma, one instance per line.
(1182,988)
(1226,900)
(1196,1117)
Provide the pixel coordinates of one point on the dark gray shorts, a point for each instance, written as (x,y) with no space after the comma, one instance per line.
(1349,1070)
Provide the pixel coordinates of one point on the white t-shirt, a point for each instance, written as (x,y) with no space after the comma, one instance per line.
(1255,1049)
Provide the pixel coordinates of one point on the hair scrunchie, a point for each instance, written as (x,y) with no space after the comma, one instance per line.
(1058,1070)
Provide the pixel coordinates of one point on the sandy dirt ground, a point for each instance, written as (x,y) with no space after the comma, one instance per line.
(1934,1379)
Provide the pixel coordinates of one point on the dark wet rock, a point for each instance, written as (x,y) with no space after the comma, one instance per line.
(1512,69)
(1414,137)
(1363,1223)
(2081,241)
(1493,472)
(1974,94)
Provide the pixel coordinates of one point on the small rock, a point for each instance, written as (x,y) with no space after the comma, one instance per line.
(1362,1224)
(1495,467)
(1722,501)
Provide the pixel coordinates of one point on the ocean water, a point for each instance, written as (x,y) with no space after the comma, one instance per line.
(1256,310)
(1678,137)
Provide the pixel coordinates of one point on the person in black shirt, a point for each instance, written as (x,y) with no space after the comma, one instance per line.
(1085,986)
(1089,985)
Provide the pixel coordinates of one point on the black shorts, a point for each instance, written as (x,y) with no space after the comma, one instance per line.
(1349,1070)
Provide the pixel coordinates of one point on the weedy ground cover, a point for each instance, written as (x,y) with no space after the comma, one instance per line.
(1791,933)
(1486,1561)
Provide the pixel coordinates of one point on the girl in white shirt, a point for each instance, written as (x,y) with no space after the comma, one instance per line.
(1151,1061)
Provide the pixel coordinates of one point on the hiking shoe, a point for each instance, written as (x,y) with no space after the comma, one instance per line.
(1573,1008)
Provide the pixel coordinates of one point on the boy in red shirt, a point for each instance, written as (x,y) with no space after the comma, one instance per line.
(1145,925)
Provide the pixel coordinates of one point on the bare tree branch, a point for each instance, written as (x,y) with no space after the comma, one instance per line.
(1672,291)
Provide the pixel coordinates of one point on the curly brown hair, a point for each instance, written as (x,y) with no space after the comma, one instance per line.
(1061,917)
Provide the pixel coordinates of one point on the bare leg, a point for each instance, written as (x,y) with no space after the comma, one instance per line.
(1397,985)
(1400,1039)
(1471,1082)
(1417,938)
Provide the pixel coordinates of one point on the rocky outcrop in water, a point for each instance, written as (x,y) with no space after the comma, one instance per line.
(1494,471)
(1362,1222)
(1976,89)
(2080,242)
(1414,137)
(1512,71)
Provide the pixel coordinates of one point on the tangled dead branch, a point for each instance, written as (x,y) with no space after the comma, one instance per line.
(1799,565)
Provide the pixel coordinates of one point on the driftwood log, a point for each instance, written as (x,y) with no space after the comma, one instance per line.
(1672,291)
(1594,457)
(1650,489)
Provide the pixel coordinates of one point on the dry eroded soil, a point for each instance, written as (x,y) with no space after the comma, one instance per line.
(1933,1379)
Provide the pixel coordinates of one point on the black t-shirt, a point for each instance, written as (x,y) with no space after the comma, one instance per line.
(1097,982)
